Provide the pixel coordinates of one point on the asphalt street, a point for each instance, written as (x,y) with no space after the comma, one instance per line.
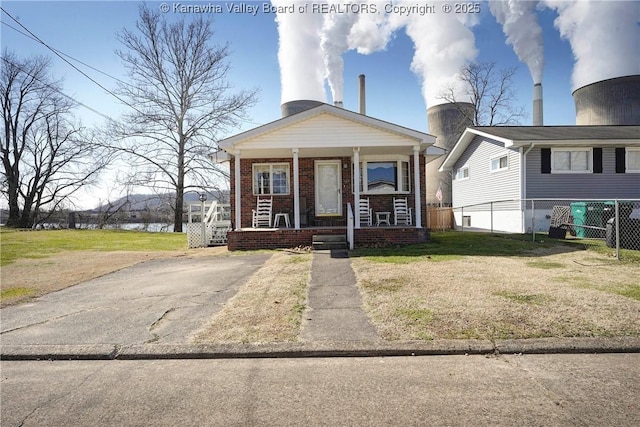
(522,390)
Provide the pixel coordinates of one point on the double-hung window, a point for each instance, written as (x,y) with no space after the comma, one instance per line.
(384,175)
(633,160)
(271,178)
(571,160)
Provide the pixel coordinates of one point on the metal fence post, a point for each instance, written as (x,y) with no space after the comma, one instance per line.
(491,207)
(617,216)
(533,221)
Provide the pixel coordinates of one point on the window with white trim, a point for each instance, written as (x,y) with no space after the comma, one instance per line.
(500,163)
(632,157)
(380,175)
(462,173)
(270,178)
(571,160)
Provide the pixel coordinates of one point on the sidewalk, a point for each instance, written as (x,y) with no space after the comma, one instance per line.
(335,306)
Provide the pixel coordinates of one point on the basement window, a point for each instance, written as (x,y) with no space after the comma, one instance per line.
(271,178)
(571,160)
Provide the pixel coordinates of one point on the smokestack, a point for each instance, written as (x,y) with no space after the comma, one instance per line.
(537,104)
(363,105)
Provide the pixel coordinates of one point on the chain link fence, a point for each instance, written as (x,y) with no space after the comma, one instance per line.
(614,223)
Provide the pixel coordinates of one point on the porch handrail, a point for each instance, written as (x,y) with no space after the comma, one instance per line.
(350,226)
(212,213)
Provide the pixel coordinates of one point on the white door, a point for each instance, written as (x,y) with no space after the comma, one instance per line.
(328,188)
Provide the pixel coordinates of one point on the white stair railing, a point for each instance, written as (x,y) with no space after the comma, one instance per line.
(350,226)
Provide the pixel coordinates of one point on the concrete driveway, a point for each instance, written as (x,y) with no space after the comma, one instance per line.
(160,301)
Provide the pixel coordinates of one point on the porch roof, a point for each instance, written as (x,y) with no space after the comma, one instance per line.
(326,130)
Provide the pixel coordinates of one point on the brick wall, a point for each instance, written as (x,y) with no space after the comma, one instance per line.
(284,203)
(288,238)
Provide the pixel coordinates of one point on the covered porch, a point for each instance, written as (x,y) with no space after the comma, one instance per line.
(317,168)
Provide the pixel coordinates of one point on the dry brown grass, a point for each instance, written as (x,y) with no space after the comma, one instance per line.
(547,295)
(29,278)
(268,308)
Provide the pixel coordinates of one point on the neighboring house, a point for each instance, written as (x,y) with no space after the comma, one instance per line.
(498,164)
(316,163)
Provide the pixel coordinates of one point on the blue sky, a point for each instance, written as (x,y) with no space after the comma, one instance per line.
(85,30)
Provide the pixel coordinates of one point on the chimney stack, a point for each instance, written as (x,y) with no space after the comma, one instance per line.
(537,105)
(338,104)
(363,107)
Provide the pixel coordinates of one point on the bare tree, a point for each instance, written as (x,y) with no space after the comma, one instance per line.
(491,93)
(179,87)
(46,157)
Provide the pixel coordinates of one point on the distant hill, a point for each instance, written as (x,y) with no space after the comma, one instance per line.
(152,202)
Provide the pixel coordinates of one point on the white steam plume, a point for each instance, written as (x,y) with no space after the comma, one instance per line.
(334,43)
(300,55)
(604,37)
(443,44)
(367,31)
(520,25)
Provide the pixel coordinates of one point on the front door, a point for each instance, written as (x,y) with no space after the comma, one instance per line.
(328,188)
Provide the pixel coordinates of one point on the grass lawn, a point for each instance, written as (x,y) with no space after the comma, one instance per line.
(478,285)
(19,244)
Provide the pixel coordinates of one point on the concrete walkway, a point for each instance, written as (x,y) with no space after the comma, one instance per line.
(335,306)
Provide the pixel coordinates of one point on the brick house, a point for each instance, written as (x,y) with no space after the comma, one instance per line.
(315,165)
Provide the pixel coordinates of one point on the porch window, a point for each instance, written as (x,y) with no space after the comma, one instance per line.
(633,160)
(571,160)
(380,176)
(270,178)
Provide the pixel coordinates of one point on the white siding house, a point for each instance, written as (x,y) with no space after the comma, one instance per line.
(497,169)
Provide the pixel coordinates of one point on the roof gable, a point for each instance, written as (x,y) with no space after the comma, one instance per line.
(326,126)
(521,136)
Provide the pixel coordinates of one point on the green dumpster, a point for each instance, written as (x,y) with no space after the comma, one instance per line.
(579,213)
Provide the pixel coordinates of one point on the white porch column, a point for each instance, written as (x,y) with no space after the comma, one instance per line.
(356,185)
(296,190)
(238,190)
(416,185)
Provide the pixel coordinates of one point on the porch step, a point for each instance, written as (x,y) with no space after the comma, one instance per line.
(329,241)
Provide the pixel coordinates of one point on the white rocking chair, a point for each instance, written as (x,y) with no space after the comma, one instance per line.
(262,213)
(401,211)
(365,212)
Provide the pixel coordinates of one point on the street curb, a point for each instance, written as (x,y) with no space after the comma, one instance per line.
(319,349)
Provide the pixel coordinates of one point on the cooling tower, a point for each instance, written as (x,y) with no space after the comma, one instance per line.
(446,122)
(609,102)
(294,107)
